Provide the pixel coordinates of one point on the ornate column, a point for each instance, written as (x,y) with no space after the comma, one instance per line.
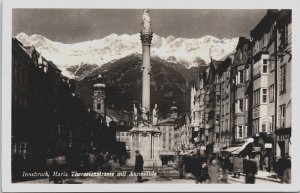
(146,38)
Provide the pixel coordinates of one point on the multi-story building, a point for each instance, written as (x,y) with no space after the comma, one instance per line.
(225,97)
(284,87)
(240,99)
(198,108)
(247,93)
(271,73)
(124,136)
(166,126)
(263,84)
(183,134)
(216,103)
(48,117)
(47,114)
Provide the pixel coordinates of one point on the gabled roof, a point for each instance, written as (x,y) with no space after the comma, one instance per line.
(242,41)
(50,63)
(220,66)
(265,24)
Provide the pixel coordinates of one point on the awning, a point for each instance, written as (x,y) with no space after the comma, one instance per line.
(231,149)
(238,149)
(283,131)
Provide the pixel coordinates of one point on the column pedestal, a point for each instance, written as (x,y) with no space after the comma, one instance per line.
(146,140)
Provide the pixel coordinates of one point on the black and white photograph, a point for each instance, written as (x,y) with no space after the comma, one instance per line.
(151,96)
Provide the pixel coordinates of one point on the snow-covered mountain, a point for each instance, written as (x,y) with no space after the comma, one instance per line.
(113,47)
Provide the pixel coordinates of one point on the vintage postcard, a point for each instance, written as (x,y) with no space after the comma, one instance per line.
(134,96)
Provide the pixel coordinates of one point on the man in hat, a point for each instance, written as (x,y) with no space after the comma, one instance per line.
(139,164)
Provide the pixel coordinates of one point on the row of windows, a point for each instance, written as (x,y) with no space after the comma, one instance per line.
(225,127)
(20,102)
(225,109)
(263,99)
(97,92)
(124,134)
(20,76)
(270,127)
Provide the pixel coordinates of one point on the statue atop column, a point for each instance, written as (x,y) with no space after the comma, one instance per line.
(146,21)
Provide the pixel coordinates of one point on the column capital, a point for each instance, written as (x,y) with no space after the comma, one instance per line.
(146,38)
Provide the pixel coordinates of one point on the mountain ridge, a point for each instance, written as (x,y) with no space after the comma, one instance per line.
(185,51)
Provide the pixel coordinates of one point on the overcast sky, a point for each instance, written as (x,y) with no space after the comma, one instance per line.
(76,25)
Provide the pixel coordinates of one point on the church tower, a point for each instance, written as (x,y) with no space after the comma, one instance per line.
(99,97)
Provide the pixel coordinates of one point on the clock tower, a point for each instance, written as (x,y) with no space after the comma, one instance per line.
(99,97)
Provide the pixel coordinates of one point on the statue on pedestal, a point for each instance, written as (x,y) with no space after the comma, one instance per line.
(135,116)
(155,115)
(145,116)
(146,21)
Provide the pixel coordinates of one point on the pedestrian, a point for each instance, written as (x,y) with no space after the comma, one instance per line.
(250,169)
(256,159)
(283,164)
(203,173)
(286,176)
(237,166)
(214,172)
(92,161)
(100,161)
(226,164)
(50,164)
(139,165)
(275,165)
(180,166)
(106,157)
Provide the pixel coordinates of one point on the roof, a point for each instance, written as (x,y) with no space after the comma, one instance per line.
(285,16)
(202,68)
(50,63)
(221,66)
(28,49)
(242,41)
(265,24)
(99,85)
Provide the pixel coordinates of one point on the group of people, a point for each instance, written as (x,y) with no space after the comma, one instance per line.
(83,161)
(282,167)
(204,169)
(215,168)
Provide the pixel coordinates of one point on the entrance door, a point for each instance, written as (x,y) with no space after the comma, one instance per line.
(282,148)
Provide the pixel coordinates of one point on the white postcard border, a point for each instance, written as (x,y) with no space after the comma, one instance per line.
(135,4)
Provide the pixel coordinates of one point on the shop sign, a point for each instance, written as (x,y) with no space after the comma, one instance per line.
(268,145)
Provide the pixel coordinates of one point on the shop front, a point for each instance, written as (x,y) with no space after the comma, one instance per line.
(283,136)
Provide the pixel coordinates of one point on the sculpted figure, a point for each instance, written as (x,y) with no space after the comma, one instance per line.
(155,115)
(135,115)
(146,21)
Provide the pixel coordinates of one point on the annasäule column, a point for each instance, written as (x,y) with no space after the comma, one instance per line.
(146,38)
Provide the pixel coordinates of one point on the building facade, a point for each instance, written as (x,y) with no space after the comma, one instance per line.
(240,98)
(183,134)
(284,87)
